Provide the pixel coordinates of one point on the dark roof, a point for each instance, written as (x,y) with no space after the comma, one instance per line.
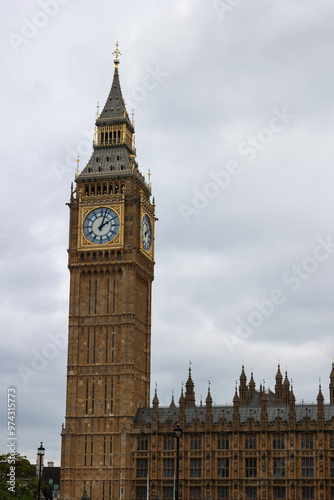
(114,109)
(108,160)
(51,473)
(144,415)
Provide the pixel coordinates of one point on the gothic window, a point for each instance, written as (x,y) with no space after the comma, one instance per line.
(87,191)
(167,492)
(117,157)
(111,168)
(251,492)
(195,467)
(307,442)
(195,493)
(116,188)
(332,467)
(169,444)
(168,467)
(222,493)
(92,191)
(106,389)
(104,189)
(108,158)
(99,189)
(279,467)
(82,257)
(279,492)
(307,492)
(85,456)
(250,468)
(97,159)
(307,467)
(223,467)
(89,170)
(278,442)
(142,443)
(250,442)
(331,441)
(223,443)
(141,493)
(142,467)
(195,443)
(122,167)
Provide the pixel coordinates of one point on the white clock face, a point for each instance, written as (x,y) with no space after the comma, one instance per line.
(146,233)
(101,225)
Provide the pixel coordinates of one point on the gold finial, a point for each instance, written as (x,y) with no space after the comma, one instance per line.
(133,117)
(97,109)
(78,162)
(116,53)
(149,177)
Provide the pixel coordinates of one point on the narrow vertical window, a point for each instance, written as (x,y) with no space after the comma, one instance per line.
(112,347)
(91,452)
(107,342)
(114,297)
(89,294)
(85,458)
(108,292)
(104,454)
(111,397)
(87,397)
(94,345)
(103,487)
(87,348)
(105,394)
(109,491)
(91,491)
(95,305)
(110,453)
(93,391)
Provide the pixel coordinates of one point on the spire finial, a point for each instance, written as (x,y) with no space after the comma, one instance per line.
(116,53)
(78,163)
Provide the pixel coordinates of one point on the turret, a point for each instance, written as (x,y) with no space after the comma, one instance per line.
(279,386)
(286,389)
(243,386)
(208,404)
(320,409)
(190,393)
(331,386)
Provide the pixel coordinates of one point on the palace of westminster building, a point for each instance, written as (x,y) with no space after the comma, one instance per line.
(114,444)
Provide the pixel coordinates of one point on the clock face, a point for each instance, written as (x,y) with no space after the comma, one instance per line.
(101,225)
(146,233)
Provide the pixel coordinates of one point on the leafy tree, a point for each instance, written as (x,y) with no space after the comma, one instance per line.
(26,484)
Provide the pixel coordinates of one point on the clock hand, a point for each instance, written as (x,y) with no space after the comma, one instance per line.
(101,225)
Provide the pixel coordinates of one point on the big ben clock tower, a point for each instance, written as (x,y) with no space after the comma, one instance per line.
(111,261)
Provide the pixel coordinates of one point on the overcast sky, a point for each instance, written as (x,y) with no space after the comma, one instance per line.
(233,104)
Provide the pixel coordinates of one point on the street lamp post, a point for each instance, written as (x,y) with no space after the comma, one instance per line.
(40,453)
(178,434)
